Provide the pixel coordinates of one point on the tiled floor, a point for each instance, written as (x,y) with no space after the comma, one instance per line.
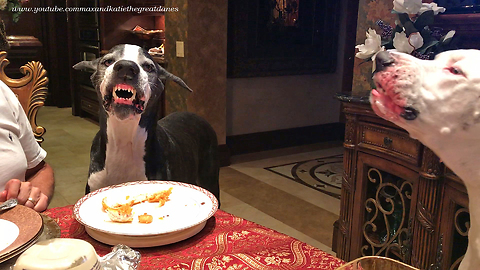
(247,189)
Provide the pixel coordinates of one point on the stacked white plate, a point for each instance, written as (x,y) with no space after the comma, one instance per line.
(184,215)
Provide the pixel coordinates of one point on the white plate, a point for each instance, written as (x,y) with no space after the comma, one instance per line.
(8,233)
(189,206)
(145,241)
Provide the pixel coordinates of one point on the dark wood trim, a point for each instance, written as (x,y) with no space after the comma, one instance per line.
(224,155)
(270,140)
(467,27)
(56,54)
(349,49)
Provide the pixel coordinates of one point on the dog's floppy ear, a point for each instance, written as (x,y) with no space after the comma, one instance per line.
(169,76)
(89,65)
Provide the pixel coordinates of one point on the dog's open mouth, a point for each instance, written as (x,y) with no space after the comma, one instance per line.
(389,104)
(124,94)
(124,97)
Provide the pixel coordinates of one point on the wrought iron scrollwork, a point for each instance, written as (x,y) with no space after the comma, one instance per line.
(387,207)
(462,225)
(439,256)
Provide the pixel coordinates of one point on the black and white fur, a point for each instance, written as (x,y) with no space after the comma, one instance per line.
(132,144)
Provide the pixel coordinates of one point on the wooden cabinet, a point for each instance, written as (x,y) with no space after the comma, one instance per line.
(398,200)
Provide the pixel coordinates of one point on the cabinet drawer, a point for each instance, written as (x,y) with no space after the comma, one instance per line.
(88,92)
(391,141)
(90,106)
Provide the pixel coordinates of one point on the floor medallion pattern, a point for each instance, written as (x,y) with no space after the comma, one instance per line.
(322,174)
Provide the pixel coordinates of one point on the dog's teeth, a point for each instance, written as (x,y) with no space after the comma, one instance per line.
(380,106)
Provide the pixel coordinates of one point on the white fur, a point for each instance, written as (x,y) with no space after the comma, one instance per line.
(125,151)
(130,52)
(448,120)
(126,146)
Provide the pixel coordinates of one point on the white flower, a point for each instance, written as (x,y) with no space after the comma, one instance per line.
(3,4)
(407,6)
(416,40)
(400,42)
(372,45)
(450,34)
(431,6)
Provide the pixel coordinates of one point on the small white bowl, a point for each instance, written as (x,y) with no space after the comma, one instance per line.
(59,254)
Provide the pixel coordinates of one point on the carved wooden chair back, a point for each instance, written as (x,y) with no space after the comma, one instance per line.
(31,90)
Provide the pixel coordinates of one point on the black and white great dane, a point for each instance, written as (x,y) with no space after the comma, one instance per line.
(438,103)
(132,144)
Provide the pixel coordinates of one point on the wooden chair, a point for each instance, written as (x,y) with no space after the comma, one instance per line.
(31,90)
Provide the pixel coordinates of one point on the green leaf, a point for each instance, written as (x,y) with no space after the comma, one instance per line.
(427,45)
(409,28)
(16,17)
(427,36)
(425,19)
(404,18)
(388,44)
(398,29)
(447,37)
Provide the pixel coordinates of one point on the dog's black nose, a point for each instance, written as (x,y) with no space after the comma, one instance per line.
(382,60)
(126,69)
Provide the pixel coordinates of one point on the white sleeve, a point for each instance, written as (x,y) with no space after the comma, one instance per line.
(33,152)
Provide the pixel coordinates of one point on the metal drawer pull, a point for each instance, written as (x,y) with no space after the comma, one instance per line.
(387,141)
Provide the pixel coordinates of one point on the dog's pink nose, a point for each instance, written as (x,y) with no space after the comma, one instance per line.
(383,60)
(126,69)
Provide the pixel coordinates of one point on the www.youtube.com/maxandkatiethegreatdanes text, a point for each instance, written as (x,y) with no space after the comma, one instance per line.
(96,9)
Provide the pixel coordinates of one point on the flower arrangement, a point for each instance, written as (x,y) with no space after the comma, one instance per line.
(13,7)
(412,33)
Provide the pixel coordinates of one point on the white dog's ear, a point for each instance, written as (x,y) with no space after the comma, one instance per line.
(87,65)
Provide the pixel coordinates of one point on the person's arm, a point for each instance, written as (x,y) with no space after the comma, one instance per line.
(36,192)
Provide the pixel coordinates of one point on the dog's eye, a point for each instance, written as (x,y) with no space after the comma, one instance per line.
(108,62)
(455,71)
(148,67)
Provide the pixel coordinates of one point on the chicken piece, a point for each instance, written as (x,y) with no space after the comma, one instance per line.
(145,218)
(119,213)
(161,197)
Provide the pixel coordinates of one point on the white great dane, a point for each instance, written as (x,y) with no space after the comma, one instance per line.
(438,102)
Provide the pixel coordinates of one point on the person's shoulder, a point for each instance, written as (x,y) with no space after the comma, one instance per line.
(5,90)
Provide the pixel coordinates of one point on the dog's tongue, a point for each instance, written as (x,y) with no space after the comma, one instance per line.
(123,101)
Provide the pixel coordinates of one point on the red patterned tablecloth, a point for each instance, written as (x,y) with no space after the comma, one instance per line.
(226,242)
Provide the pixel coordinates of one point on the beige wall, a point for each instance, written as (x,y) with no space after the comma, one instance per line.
(273,103)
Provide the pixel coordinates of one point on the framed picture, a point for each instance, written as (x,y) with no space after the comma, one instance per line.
(282,37)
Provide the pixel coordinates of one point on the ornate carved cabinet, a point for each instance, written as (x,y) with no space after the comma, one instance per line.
(398,200)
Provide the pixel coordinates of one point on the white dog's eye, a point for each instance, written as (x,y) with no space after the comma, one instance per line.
(455,71)
(148,67)
(108,62)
